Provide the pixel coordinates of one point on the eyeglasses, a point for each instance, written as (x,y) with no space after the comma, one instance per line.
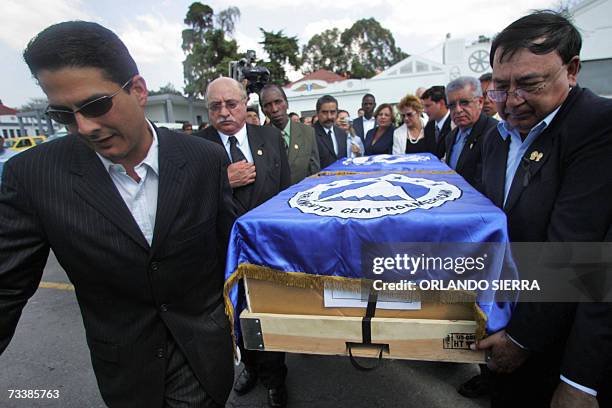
(464,103)
(408,114)
(91,109)
(230,104)
(501,95)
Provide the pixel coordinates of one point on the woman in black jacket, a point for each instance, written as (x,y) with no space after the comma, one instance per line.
(380,139)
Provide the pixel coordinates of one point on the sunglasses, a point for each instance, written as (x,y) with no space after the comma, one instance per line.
(91,109)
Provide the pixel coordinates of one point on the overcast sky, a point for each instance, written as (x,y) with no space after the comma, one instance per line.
(152,29)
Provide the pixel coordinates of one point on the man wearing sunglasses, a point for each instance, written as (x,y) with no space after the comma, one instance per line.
(138,217)
(547,166)
(464,143)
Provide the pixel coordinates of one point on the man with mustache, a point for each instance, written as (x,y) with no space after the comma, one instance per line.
(464,143)
(547,166)
(259,170)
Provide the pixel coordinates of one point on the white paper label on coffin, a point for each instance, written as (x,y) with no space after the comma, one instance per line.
(375,197)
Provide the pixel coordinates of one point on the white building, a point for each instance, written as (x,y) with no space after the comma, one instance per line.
(14,123)
(592,17)
(458,57)
(396,81)
(169,108)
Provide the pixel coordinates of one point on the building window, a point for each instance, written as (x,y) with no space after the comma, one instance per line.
(38,132)
(4,133)
(12,132)
(18,132)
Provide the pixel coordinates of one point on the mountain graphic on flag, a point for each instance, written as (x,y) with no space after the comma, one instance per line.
(378,191)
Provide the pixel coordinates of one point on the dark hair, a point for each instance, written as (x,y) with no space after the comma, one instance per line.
(368,95)
(269,87)
(487,77)
(252,109)
(379,108)
(293,114)
(436,93)
(326,99)
(187,125)
(80,44)
(541,32)
(343,111)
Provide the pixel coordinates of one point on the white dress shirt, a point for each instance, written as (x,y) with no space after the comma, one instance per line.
(243,143)
(333,138)
(140,197)
(440,123)
(368,124)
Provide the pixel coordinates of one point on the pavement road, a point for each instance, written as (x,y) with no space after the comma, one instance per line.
(48,352)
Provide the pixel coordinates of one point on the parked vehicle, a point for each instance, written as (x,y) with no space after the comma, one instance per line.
(24,142)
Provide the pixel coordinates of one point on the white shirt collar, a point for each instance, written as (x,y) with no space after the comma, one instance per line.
(440,123)
(151,159)
(241,136)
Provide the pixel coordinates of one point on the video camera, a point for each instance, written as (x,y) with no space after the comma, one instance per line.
(256,76)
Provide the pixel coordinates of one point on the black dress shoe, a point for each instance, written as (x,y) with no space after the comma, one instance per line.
(277,397)
(477,386)
(245,382)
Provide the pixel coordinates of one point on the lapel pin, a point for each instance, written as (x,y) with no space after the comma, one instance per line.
(260,152)
(536,156)
(471,145)
(296,147)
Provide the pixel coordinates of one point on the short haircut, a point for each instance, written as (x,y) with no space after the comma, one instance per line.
(326,99)
(293,114)
(343,111)
(187,125)
(368,95)
(269,87)
(462,82)
(379,108)
(80,44)
(487,77)
(541,32)
(252,109)
(243,92)
(436,93)
(411,101)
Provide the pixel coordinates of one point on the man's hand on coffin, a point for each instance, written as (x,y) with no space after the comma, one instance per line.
(505,355)
(567,396)
(241,173)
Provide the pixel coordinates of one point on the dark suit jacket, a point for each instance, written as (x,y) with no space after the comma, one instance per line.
(469,165)
(302,152)
(358,126)
(384,145)
(268,150)
(327,155)
(566,196)
(430,132)
(132,296)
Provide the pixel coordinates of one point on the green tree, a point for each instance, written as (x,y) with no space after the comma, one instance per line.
(361,50)
(166,89)
(281,50)
(34,104)
(325,51)
(372,48)
(208,51)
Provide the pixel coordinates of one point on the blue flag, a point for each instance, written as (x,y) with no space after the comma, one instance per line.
(321,225)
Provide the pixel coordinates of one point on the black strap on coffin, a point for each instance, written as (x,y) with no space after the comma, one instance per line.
(366,333)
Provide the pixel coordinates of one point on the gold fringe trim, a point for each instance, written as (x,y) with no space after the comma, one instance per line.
(308,281)
(352,173)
